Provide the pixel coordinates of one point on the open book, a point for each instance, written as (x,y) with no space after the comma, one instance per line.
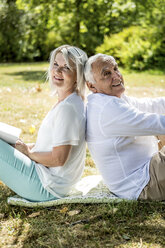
(9,133)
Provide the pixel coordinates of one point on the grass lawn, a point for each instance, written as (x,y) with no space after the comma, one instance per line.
(24,101)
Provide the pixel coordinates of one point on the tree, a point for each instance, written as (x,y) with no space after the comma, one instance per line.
(31,29)
(142,45)
(11,31)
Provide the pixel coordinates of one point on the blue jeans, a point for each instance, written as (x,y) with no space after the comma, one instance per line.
(18,172)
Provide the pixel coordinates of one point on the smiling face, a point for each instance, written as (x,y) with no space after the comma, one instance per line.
(108,78)
(62,75)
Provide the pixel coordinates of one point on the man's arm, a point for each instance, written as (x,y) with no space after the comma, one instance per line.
(120,119)
(150,105)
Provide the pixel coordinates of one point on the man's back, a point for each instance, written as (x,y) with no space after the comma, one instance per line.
(122,158)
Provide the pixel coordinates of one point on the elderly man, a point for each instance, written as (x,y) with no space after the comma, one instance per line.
(121,133)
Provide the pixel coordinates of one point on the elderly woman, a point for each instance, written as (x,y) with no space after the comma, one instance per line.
(49,169)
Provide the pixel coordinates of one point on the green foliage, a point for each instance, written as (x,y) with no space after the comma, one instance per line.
(31,29)
(135,47)
(11,32)
(36,25)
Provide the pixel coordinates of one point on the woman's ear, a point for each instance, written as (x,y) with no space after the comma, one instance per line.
(91,87)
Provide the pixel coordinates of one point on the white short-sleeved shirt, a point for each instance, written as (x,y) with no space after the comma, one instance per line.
(63,125)
(120,137)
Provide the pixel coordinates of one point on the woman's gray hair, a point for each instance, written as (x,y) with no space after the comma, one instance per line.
(88,66)
(79,58)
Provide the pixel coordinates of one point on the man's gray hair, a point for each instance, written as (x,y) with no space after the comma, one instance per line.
(88,66)
(79,58)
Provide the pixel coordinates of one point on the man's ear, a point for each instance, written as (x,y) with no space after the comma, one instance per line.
(91,87)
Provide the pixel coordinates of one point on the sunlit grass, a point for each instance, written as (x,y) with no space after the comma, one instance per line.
(24,101)
(145,84)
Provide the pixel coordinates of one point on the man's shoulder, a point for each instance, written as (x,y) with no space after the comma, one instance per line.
(98,97)
(103,99)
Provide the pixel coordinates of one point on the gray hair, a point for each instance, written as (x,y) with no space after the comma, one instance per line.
(88,66)
(79,58)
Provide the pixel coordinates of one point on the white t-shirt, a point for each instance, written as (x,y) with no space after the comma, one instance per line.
(119,139)
(63,125)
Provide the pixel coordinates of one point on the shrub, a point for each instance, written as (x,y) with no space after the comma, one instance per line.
(135,47)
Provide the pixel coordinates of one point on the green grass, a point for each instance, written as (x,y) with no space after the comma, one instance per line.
(24,101)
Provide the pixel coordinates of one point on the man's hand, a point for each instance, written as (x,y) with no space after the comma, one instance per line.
(161,142)
(22,147)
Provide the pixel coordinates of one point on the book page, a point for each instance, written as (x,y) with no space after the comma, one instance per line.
(9,133)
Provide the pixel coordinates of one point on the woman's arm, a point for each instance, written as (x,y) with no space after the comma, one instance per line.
(57,157)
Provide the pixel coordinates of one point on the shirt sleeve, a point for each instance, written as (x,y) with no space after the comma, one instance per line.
(151,105)
(66,126)
(118,118)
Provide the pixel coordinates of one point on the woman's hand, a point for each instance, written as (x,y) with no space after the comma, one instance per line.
(22,147)
(30,145)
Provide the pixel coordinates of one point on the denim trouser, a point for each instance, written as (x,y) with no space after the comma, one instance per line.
(18,172)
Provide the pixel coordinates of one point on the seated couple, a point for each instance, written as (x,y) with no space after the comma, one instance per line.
(120,134)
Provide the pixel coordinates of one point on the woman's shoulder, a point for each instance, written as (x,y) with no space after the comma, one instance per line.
(75,102)
(74,98)
(66,107)
(70,108)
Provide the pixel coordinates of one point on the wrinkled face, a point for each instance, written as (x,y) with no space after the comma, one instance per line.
(108,78)
(62,75)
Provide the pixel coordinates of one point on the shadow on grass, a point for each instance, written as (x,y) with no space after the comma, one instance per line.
(129,223)
(30,75)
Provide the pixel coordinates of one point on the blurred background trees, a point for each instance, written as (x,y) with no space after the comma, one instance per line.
(130,30)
